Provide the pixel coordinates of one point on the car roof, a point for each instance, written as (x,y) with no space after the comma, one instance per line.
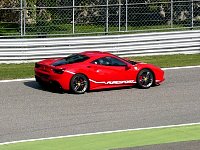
(96,54)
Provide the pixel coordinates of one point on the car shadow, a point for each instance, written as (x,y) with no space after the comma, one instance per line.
(35,85)
(114,89)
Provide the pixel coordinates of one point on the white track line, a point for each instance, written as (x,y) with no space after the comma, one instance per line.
(185,67)
(98,133)
(17,80)
(32,79)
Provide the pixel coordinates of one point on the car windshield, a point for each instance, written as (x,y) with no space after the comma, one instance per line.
(74,58)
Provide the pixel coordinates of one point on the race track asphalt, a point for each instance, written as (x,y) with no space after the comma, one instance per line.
(29,112)
(191,145)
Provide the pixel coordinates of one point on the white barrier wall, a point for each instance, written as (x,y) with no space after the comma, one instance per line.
(28,50)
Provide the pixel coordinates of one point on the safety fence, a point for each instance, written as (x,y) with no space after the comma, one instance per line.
(29,50)
(45,18)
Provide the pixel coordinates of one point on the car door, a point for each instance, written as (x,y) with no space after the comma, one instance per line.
(111,71)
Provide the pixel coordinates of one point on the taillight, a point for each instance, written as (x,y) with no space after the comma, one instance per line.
(58,71)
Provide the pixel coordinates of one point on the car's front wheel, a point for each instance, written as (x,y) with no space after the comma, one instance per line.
(145,79)
(79,84)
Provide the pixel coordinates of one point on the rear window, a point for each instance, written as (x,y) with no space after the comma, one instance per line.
(75,58)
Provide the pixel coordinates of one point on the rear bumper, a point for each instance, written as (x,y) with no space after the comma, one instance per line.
(51,83)
(53,79)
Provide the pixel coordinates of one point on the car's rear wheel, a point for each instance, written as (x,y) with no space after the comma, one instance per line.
(145,79)
(79,84)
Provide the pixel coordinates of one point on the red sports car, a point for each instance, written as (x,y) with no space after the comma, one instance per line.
(93,70)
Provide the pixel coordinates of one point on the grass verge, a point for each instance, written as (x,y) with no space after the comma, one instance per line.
(113,140)
(15,71)
(166,61)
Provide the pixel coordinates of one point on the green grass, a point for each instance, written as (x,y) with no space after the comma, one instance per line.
(90,29)
(9,29)
(15,71)
(113,140)
(165,61)
(56,29)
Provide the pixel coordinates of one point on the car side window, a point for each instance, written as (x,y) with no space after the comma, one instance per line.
(109,61)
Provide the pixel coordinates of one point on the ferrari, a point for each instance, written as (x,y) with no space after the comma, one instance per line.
(94,70)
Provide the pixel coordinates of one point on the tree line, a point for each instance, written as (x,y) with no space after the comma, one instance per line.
(140,12)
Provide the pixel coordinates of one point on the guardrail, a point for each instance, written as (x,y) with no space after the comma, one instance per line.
(30,50)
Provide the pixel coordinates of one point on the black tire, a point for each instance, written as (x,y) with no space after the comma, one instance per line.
(145,79)
(79,84)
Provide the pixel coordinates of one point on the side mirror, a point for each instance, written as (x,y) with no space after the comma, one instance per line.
(127,67)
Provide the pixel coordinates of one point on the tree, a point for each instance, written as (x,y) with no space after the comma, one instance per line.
(12,13)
